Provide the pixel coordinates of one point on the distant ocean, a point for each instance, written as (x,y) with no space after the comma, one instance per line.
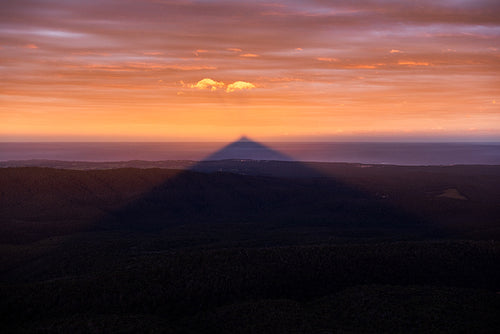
(362,152)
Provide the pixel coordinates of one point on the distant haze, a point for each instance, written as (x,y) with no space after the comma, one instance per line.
(369,153)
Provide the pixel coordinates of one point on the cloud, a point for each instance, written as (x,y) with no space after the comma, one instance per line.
(395,51)
(412,63)
(153,53)
(362,67)
(239,85)
(30,46)
(197,52)
(190,67)
(90,53)
(249,55)
(327,59)
(144,66)
(212,85)
(284,79)
(208,83)
(234,49)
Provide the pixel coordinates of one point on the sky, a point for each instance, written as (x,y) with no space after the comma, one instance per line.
(200,70)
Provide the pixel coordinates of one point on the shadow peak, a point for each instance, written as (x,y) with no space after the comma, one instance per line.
(247,149)
(244,139)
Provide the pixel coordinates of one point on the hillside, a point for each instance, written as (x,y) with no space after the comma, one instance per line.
(456,200)
(250,247)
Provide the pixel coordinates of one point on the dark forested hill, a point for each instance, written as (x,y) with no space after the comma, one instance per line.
(456,200)
(250,247)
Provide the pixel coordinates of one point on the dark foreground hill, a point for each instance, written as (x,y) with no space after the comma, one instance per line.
(251,247)
(460,201)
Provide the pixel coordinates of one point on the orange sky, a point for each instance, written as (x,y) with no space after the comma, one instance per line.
(156,70)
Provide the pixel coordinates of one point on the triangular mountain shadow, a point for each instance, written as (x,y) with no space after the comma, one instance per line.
(247,157)
(245,148)
(253,199)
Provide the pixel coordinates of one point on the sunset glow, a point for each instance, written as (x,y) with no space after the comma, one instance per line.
(156,70)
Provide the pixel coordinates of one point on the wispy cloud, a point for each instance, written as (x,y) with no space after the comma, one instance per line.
(91,53)
(190,67)
(200,51)
(361,66)
(413,63)
(329,60)
(140,66)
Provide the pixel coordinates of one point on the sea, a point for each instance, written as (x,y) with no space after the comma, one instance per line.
(393,153)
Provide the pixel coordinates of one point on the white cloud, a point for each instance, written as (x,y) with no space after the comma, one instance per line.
(208,83)
(212,85)
(239,85)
